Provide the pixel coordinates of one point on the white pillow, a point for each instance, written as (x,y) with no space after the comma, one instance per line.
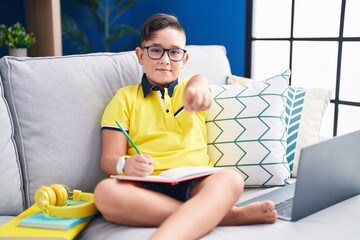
(247,131)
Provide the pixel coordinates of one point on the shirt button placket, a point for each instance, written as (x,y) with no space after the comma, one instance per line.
(169,116)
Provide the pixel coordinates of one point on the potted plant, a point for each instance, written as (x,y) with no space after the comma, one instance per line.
(16,39)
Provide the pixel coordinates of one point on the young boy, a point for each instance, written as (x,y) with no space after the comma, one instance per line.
(168,137)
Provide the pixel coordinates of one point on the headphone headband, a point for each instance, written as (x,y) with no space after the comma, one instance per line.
(53,202)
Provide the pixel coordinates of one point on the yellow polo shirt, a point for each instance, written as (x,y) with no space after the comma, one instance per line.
(158,125)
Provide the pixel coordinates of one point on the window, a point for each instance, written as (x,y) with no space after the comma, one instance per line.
(319,40)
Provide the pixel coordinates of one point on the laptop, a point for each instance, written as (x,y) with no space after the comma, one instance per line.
(328,173)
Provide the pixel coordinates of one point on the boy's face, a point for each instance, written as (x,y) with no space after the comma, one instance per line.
(162,71)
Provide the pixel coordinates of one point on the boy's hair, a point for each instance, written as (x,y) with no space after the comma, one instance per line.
(158,22)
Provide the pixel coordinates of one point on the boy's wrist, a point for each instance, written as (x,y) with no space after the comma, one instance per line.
(120,165)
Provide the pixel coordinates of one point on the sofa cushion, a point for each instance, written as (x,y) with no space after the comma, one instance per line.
(247,131)
(337,222)
(57,104)
(11,195)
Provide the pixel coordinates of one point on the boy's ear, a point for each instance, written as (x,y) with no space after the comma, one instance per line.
(186,58)
(139,53)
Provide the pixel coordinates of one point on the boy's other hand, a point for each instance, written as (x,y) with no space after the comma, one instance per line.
(139,165)
(197,95)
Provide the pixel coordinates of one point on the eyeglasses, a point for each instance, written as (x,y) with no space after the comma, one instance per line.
(174,54)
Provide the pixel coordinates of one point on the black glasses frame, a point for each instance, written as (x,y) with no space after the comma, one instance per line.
(167,50)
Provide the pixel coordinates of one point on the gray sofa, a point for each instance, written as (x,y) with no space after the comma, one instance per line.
(50,110)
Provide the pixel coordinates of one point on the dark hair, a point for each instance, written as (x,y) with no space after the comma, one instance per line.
(158,22)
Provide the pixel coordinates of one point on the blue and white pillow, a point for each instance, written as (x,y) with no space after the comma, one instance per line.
(247,131)
(305,109)
(294,106)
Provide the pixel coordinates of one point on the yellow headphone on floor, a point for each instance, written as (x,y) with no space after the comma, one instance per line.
(52,200)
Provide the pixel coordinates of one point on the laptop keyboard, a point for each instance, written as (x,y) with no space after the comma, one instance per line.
(284,208)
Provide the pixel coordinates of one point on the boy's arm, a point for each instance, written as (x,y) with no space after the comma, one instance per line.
(197,94)
(114,145)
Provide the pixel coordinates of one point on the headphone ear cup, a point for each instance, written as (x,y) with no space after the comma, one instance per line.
(61,194)
(45,196)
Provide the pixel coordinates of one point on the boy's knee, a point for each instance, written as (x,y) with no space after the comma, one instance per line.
(232,175)
(239,180)
(106,200)
(100,193)
(232,180)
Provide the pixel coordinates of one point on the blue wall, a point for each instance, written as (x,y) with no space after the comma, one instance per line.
(205,22)
(10,13)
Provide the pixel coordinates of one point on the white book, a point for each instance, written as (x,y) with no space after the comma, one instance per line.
(172,176)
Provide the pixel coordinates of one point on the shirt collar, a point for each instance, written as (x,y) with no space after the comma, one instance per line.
(147,86)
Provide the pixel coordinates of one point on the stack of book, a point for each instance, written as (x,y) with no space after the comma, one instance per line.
(33,223)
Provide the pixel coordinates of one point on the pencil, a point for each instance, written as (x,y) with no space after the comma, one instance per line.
(128,137)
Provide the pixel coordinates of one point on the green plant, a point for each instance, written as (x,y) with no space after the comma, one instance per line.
(104,14)
(15,36)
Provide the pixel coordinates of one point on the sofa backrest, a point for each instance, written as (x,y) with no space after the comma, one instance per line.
(56,104)
(210,61)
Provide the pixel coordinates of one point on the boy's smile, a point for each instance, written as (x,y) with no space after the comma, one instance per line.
(163,71)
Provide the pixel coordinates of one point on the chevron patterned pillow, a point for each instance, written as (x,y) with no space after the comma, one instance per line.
(247,131)
(305,109)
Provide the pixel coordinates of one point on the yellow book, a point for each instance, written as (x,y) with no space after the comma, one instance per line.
(11,229)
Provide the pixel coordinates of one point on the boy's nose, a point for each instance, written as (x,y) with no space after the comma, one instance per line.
(165,58)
